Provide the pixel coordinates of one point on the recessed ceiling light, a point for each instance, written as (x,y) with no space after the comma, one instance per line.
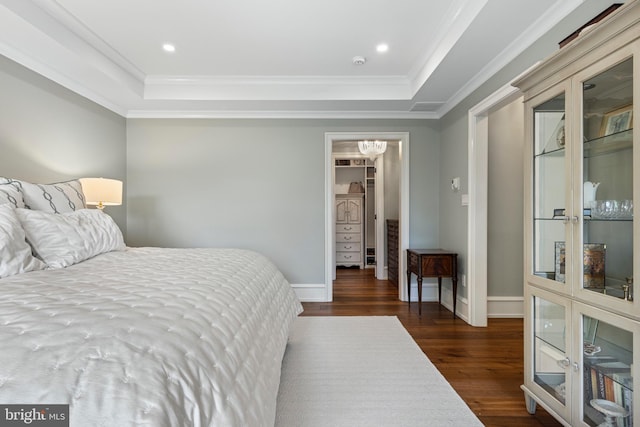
(168,47)
(382,47)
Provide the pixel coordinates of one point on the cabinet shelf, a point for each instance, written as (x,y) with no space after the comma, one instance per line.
(596,220)
(598,146)
(553,340)
(556,152)
(609,144)
(587,217)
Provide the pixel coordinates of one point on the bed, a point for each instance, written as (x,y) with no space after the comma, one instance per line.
(137,336)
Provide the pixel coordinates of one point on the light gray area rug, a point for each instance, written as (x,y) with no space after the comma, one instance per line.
(363,371)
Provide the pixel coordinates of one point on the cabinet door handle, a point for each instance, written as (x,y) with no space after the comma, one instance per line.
(565,363)
(347,228)
(566,220)
(575,219)
(347,237)
(576,367)
(347,247)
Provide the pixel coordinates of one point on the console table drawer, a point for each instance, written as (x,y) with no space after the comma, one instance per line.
(437,265)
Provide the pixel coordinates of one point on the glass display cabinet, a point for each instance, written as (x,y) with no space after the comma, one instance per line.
(581,361)
(582,314)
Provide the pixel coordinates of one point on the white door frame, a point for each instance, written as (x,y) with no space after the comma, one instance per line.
(478,200)
(378,164)
(403,151)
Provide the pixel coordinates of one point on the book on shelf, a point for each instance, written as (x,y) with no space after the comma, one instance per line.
(610,380)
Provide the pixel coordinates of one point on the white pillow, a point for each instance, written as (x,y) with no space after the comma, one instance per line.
(10,194)
(61,240)
(15,252)
(59,197)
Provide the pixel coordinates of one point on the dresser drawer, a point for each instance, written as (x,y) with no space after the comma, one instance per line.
(347,257)
(348,247)
(347,237)
(348,228)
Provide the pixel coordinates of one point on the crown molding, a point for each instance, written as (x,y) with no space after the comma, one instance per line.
(536,30)
(223,114)
(43,29)
(60,78)
(461,15)
(276,88)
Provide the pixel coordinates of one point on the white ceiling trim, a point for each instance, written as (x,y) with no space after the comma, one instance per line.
(536,30)
(462,14)
(213,114)
(60,78)
(45,18)
(276,88)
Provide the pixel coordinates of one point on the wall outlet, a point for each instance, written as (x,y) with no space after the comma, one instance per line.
(463,280)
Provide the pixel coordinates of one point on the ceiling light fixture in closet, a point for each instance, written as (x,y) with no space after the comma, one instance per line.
(372,148)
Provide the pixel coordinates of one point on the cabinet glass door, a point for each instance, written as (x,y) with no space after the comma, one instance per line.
(607,394)
(607,192)
(549,191)
(549,348)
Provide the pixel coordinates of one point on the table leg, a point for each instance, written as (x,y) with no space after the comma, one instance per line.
(439,290)
(409,289)
(419,295)
(455,294)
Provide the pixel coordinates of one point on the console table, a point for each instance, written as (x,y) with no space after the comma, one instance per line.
(432,263)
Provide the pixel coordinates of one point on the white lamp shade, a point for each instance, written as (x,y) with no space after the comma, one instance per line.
(372,149)
(102,191)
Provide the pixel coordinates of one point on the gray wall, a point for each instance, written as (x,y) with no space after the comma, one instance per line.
(50,134)
(505,201)
(454,138)
(391,167)
(256,184)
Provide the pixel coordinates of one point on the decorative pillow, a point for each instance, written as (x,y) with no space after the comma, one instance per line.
(15,252)
(10,194)
(66,239)
(59,197)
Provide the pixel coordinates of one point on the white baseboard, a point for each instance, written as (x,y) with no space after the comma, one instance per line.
(505,307)
(497,307)
(310,292)
(429,292)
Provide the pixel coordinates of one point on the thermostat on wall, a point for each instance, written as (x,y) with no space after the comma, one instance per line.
(455,184)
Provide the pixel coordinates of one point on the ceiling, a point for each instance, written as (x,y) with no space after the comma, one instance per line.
(276,58)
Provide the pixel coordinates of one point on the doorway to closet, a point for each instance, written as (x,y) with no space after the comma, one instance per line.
(361,194)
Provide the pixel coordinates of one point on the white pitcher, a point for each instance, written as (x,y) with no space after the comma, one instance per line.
(589,193)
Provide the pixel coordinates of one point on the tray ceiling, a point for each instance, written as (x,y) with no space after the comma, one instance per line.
(277,58)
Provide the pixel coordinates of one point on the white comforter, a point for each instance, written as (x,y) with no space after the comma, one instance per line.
(149,337)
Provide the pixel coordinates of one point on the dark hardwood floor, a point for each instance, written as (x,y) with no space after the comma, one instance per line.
(484,365)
